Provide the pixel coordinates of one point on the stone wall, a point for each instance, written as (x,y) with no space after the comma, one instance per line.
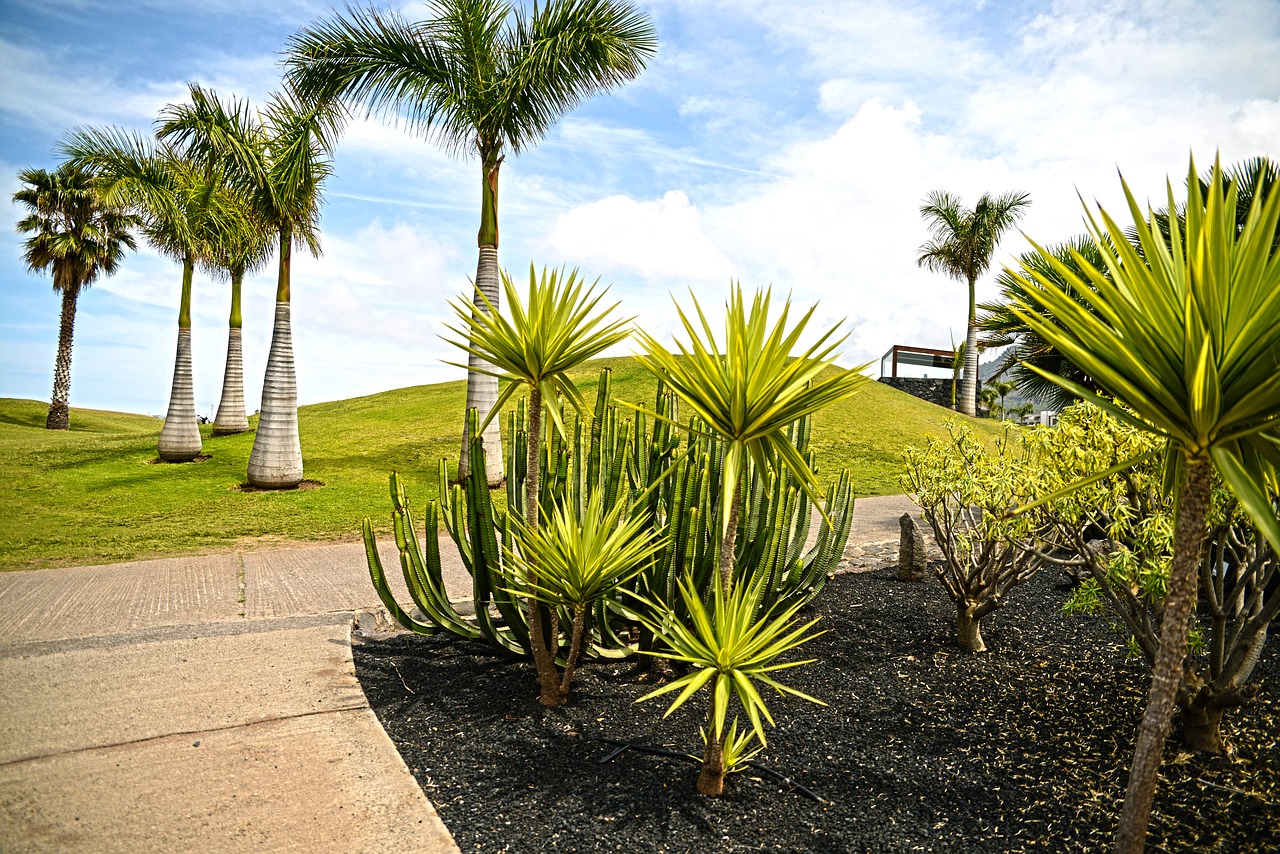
(935,391)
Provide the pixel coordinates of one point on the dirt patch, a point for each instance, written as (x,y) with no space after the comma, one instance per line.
(156,461)
(305,484)
(922,748)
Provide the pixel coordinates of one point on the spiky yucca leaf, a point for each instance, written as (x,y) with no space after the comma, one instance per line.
(751,391)
(1183,332)
(731,650)
(550,332)
(578,561)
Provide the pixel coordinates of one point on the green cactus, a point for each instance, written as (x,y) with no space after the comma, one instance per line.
(620,458)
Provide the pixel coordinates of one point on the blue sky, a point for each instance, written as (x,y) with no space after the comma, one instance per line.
(784,143)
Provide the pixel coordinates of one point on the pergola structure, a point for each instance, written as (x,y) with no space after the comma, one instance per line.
(923,357)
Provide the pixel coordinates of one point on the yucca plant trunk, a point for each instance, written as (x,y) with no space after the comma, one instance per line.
(1202,728)
(711,779)
(969,383)
(1166,675)
(482,389)
(231,416)
(59,417)
(180,436)
(554,690)
(730,543)
(276,459)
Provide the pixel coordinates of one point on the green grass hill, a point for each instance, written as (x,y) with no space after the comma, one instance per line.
(96,494)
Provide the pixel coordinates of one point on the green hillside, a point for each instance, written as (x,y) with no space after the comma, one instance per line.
(96,494)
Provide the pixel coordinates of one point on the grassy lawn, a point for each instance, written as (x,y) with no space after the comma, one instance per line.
(96,494)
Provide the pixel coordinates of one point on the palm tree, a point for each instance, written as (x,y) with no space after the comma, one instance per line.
(186,209)
(235,256)
(484,79)
(77,236)
(278,160)
(1181,330)
(963,242)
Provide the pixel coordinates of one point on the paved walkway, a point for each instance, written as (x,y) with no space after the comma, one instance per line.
(211,703)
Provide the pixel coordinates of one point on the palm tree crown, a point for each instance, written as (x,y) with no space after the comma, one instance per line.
(483,78)
(77,236)
(962,244)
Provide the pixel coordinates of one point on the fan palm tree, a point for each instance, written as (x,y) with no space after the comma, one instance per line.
(79,238)
(186,209)
(484,79)
(963,242)
(234,256)
(278,160)
(1181,330)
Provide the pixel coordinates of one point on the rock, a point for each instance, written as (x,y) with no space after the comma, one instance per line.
(375,622)
(912,560)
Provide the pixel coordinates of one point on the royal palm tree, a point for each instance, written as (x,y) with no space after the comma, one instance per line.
(484,79)
(236,255)
(186,209)
(1181,330)
(79,238)
(963,242)
(278,160)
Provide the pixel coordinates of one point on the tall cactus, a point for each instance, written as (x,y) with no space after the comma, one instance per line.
(620,458)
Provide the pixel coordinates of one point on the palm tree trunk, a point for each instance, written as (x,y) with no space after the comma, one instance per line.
(711,778)
(180,437)
(482,389)
(969,385)
(59,417)
(231,416)
(276,459)
(1166,675)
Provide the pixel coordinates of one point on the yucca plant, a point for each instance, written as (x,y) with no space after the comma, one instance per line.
(731,647)
(749,394)
(557,327)
(1183,333)
(572,562)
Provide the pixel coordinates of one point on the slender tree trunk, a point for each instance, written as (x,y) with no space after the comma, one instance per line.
(969,384)
(554,693)
(711,779)
(730,542)
(231,416)
(59,417)
(276,459)
(180,437)
(1166,675)
(482,390)
(969,630)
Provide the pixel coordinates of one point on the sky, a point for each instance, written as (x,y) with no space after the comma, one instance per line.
(785,144)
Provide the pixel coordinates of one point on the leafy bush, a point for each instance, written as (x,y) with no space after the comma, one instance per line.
(966,494)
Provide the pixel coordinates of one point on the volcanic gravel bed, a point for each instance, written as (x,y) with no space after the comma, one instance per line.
(922,748)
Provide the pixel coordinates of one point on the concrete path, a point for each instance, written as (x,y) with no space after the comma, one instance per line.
(210,703)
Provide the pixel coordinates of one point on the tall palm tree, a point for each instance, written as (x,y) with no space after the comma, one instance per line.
(234,256)
(186,209)
(278,159)
(963,242)
(1181,330)
(484,79)
(77,236)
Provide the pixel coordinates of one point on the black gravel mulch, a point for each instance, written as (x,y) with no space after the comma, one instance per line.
(922,748)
